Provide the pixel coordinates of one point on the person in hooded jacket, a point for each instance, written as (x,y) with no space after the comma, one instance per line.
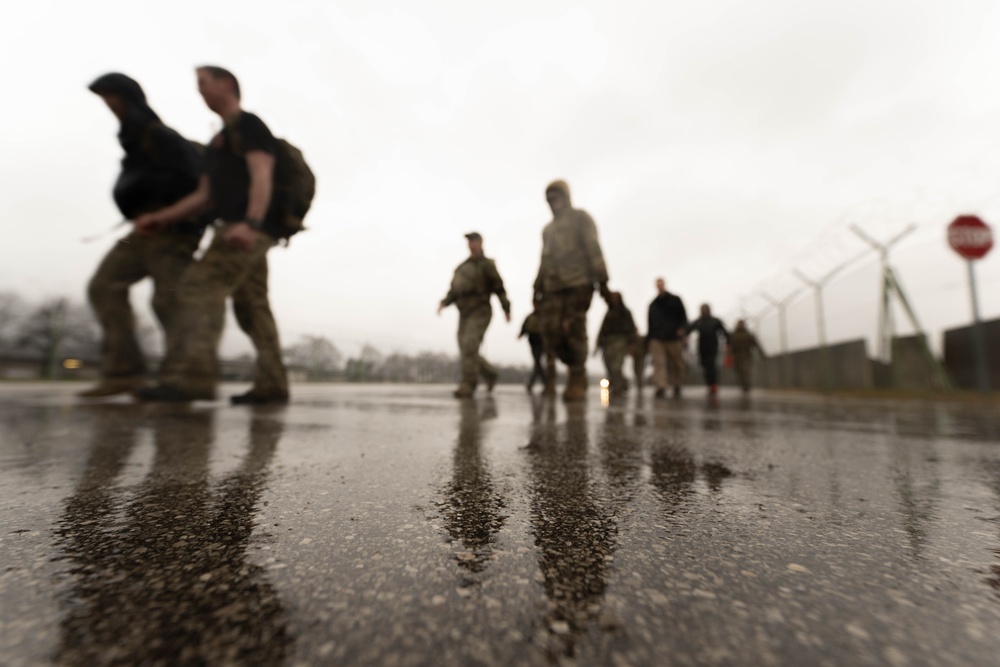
(159,168)
(572,264)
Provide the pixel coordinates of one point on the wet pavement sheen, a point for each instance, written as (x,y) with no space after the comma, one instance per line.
(394,525)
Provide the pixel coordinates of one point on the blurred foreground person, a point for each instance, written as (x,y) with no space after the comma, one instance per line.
(743,343)
(572,264)
(709,328)
(616,338)
(475,281)
(160,167)
(254,184)
(665,339)
(532,328)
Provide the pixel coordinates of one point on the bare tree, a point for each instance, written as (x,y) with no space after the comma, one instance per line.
(12,310)
(58,329)
(318,355)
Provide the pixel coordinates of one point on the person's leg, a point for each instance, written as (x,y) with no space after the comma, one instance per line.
(122,364)
(480,323)
(615,350)
(201,315)
(676,368)
(710,369)
(658,350)
(169,255)
(252,308)
(743,370)
(538,372)
(578,303)
(468,348)
(550,316)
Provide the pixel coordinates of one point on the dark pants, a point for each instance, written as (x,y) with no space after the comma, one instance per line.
(537,350)
(709,366)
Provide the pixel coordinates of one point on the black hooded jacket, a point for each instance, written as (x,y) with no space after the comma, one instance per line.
(160,166)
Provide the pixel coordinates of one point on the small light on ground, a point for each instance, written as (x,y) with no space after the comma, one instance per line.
(605,383)
(72,364)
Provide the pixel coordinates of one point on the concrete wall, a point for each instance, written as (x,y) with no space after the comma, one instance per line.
(960,355)
(839,366)
(911,369)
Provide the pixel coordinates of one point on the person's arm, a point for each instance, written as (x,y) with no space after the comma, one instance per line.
(496,287)
(683,330)
(150,223)
(591,245)
(243,235)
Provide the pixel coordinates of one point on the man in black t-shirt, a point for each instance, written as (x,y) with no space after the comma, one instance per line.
(239,184)
(159,168)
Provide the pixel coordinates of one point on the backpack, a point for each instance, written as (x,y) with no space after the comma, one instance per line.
(294,187)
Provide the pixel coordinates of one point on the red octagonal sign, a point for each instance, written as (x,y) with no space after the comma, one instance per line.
(970,237)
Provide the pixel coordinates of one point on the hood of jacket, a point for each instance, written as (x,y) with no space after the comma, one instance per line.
(138,114)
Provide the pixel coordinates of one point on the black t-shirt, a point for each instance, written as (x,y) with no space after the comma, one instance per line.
(227,166)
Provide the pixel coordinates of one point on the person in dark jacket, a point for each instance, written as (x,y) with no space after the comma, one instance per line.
(665,339)
(709,329)
(615,338)
(159,168)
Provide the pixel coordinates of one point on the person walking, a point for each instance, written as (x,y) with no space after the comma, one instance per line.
(615,338)
(475,281)
(665,339)
(743,344)
(532,328)
(240,185)
(709,328)
(159,168)
(572,263)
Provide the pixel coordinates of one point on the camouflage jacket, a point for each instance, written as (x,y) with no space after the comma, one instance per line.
(571,253)
(743,343)
(475,280)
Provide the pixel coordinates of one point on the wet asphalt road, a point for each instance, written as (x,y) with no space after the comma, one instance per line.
(394,525)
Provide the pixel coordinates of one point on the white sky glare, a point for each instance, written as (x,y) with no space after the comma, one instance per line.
(718,144)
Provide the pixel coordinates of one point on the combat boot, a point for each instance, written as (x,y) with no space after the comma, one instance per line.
(464,391)
(576,386)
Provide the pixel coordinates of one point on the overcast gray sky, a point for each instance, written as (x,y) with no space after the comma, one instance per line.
(717,144)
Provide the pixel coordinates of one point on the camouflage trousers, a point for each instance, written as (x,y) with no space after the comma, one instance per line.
(616,348)
(225,271)
(164,257)
(472,324)
(563,317)
(743,364)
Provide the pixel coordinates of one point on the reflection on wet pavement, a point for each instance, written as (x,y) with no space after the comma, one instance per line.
(161,575)
(573,530)
(390,525)
(473,510)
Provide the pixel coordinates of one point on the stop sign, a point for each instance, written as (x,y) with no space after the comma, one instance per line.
(970,237)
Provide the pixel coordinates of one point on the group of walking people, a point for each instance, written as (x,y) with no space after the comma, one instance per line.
(571,270)
(254,190)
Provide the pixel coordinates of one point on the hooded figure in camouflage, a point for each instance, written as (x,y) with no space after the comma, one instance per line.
(572,264)
(159,168)
(475,281)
